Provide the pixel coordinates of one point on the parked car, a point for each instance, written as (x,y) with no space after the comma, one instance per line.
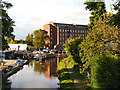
(52,52)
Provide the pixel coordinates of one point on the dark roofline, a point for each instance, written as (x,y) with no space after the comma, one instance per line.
(70,24)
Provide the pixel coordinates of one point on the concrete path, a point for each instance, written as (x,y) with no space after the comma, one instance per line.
(75,78)
(7,63)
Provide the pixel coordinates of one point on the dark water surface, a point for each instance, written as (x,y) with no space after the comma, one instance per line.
(37,74)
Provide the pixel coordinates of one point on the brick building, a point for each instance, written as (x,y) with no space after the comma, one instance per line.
(60,32)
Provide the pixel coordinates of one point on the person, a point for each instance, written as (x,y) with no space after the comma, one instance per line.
(18,61)
(21,62)
(88,74)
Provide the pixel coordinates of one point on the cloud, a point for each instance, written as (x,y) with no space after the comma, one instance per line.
(30,15)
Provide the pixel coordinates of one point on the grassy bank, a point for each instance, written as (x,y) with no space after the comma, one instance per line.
(65,80)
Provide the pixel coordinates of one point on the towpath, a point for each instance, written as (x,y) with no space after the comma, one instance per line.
(75,78)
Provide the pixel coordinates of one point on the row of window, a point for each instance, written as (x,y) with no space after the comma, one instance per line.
(73,35)
(82,31)
(82,35)
(62,42)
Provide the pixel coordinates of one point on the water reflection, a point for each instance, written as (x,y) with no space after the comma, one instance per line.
(37,74)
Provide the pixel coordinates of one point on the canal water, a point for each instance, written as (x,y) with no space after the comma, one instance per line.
(37,74)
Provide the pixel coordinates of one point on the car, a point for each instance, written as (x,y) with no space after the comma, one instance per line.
(52,52)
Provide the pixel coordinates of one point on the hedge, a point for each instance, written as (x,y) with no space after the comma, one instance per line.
(105,71)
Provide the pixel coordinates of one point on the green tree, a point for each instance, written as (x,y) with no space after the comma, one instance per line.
(104,38)
(27,40)
(31,39)
(40,36)
(97,9)
(71,46)
(116,17)
(7,24)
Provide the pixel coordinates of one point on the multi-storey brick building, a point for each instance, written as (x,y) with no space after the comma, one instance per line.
(60,32)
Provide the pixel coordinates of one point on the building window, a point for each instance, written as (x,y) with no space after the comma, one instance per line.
(60,34)
(60,38)
(70,30)
(51,29)
(73,30)
(60,30)
(63,34)
(63,38)
(63,30)
(51,33)
(83,31)
(78,30)
(51,42)
(50,38)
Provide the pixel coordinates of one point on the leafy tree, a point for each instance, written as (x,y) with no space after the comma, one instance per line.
(104,38)
(71,46)
(116,17)
(97,9)
(40,36)
(29,39)
(7,24)
(12,42)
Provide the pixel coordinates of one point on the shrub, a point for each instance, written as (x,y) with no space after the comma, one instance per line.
(65,79)
(105,71)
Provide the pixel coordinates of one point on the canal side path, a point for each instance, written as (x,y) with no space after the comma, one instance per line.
(77,84)
(7,63)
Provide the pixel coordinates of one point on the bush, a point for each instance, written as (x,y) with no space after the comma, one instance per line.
(65,79)
(105,71)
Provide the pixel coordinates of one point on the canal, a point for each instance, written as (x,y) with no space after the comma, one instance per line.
(36,74)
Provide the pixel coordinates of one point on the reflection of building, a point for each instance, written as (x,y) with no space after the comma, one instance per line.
(48,67)
(51,69)
(59,32)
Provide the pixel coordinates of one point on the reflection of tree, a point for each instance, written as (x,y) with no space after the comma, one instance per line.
(48,68)
(38,67)
(30,64)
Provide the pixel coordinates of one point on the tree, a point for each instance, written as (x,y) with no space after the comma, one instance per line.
(116,17)
(71,46)
(7,24)
(104,38)
(97,9)
(29,39)
(40,36)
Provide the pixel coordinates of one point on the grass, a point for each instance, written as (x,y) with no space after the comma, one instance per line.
(65,80)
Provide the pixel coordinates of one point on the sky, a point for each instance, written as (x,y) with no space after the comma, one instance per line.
(30,15)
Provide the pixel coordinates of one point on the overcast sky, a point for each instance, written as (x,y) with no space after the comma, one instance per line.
(30,15)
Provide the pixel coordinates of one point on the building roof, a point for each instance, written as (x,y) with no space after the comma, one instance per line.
(67,25)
